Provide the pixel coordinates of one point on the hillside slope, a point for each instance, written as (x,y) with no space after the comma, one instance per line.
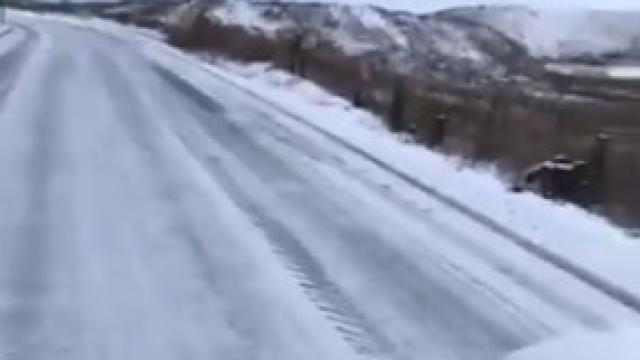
(467,42)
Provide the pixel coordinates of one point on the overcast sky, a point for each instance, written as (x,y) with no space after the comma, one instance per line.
(429,5)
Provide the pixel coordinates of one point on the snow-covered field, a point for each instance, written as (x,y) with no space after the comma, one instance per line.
(613,72)
(153,205)
(624,72)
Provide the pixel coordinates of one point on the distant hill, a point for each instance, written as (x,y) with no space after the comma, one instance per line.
(560,33)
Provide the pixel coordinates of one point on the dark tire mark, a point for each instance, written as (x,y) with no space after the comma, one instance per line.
(12,63)
(311,276)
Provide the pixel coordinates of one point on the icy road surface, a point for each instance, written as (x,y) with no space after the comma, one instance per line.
(144,218)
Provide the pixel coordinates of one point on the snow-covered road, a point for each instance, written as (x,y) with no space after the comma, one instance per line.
(144,218)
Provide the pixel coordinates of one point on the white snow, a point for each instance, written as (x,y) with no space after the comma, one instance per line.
(244,14)
(619,345)
(453,41)
(613,72)
(371,18)
(624,72)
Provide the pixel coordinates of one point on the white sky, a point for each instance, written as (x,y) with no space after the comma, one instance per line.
(430,5)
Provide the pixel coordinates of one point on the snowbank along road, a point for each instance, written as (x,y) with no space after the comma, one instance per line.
(144,215)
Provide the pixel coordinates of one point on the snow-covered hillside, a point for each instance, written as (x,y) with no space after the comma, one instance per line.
(462,42)
(357,28)
(412,43)
(558,33)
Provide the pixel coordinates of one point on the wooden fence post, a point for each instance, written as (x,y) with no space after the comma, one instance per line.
(302,44)
(398,103)
(362,81)
(598,169)
(295,48)
(438,131)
